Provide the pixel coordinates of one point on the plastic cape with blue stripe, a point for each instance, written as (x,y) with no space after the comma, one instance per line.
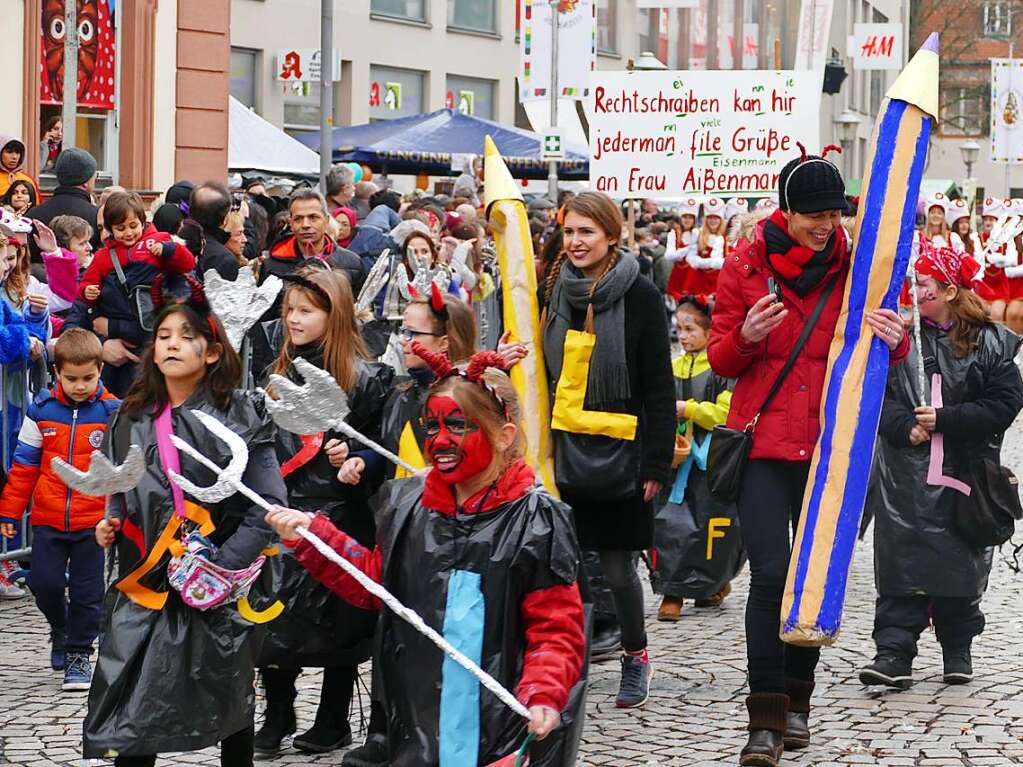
(697,539)
(318,628)
(175,678)
(479,565)
(916,547)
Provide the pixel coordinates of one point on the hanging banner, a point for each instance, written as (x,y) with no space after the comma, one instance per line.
(95,53)
(814,29)
(577,48)
(1007,111)
(674,134)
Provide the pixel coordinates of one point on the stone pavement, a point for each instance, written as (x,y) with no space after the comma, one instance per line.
(695,715)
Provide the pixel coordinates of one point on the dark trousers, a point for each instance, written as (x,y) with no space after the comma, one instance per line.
(770,500)
(235,751)
(620,573)
(335,692)
(899,621)
(78,614)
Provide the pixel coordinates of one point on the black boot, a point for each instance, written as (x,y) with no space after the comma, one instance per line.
(797,722)
(767,712)
(958,663)
(331,731)
(279,718)
(372,753)
(890,670)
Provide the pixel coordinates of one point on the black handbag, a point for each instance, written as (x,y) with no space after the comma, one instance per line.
(987,516)
(729,448)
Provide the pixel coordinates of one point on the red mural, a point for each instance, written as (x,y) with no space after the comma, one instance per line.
(95,53)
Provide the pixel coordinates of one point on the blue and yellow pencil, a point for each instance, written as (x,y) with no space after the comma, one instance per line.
(858,363)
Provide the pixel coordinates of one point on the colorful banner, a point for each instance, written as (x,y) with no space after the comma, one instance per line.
(1007,111)
(674,134)
(814,30)
(95,53)
(857,370)
(577,48)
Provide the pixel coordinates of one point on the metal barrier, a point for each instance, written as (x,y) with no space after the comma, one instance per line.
(18,386)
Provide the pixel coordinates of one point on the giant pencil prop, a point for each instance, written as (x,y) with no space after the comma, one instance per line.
(854,386)
(508,216)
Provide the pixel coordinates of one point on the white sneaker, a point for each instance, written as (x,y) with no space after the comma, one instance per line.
(7,589)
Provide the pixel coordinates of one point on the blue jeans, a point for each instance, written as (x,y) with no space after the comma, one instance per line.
(78,613)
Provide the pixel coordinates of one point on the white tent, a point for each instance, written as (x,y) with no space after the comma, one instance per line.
(255,144)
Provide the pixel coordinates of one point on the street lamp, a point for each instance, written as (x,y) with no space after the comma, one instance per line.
(847,123)
(969,149)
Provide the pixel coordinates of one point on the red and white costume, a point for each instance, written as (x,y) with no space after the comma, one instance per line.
(1004,256)
(678,252)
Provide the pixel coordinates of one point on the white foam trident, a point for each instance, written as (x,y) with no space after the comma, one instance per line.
(1004,231)
(318,405)
(229,480)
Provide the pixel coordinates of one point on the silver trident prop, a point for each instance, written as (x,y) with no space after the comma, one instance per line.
(239,304)
(376,279)
(317,406)
(103,478)
(229,481)
(1004,231)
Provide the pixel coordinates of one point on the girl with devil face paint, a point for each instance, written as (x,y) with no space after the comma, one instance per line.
(484,554)
(172,676)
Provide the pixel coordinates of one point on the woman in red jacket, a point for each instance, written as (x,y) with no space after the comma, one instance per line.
(801,249)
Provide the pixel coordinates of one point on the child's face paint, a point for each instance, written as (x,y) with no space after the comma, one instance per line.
(307,323)
(128,232)
(456,447)
(180,353)
(932,299)
(417,325)
(691,334)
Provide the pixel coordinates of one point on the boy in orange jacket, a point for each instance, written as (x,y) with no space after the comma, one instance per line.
(68,421)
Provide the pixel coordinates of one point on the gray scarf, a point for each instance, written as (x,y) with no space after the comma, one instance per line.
(608,381)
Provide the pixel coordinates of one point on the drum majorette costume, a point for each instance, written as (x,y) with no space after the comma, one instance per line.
(736,206)
(958,210)
(994,263)
(711,250)
(685,247)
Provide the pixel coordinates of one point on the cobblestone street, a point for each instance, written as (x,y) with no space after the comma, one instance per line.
(695,715)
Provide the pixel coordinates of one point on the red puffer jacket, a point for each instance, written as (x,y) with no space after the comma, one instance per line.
(788,429)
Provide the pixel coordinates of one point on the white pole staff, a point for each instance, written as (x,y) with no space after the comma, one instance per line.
(921,375)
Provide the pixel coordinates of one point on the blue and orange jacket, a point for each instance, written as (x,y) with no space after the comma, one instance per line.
(54,426)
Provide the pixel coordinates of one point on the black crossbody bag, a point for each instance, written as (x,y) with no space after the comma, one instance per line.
(729,448)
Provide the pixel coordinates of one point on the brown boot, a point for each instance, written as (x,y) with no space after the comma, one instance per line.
(670,609)
(767,713)
(797,724)
(715,600)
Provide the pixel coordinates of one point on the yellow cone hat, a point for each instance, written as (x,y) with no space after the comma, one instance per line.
(498,183)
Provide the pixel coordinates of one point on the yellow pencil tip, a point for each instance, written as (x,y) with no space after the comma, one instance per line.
(498,183)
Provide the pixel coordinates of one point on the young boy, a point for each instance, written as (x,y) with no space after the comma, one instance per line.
(68,420)
(12,164)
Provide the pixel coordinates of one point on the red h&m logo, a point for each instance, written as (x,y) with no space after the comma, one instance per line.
(877,46)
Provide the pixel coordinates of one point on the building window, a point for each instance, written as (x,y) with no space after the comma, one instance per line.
(607,26)
(412,10)
(302,107)
(243,76)
(396,93)
(964,110)
(470,95)
(997,19)
(475,15)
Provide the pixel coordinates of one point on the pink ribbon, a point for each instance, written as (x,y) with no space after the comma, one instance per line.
(169,457)
(936,467)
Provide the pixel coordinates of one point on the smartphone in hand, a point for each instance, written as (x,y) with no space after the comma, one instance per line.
(775,288)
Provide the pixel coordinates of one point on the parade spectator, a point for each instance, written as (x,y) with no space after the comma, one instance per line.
(234,225)
(610,468)
(12,163)
(66,422)
(926,571)
(360,203)
(209,204)
(167,218)
(387,197)
(52,142)
(76,176)
(340,187)
(801,249)
(20,197)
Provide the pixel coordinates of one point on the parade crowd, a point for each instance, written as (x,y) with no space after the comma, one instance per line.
(170,610)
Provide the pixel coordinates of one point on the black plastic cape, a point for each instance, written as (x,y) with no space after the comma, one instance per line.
(685,533)
(318,628)
(180,679)
(521,546)
(916,548)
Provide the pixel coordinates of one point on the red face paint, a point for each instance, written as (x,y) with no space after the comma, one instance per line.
(456,447)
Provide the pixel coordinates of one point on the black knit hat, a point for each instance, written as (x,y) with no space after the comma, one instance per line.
(811,183)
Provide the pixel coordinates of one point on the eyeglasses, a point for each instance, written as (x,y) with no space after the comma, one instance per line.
(410,335)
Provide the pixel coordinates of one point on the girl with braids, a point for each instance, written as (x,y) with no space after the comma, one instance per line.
(486,557)
(317,628)
(172,676)
(609,365)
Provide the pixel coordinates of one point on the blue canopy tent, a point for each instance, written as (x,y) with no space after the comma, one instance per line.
(424,144)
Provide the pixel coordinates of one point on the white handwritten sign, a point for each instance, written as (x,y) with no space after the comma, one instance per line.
(669,134)
(876,46)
